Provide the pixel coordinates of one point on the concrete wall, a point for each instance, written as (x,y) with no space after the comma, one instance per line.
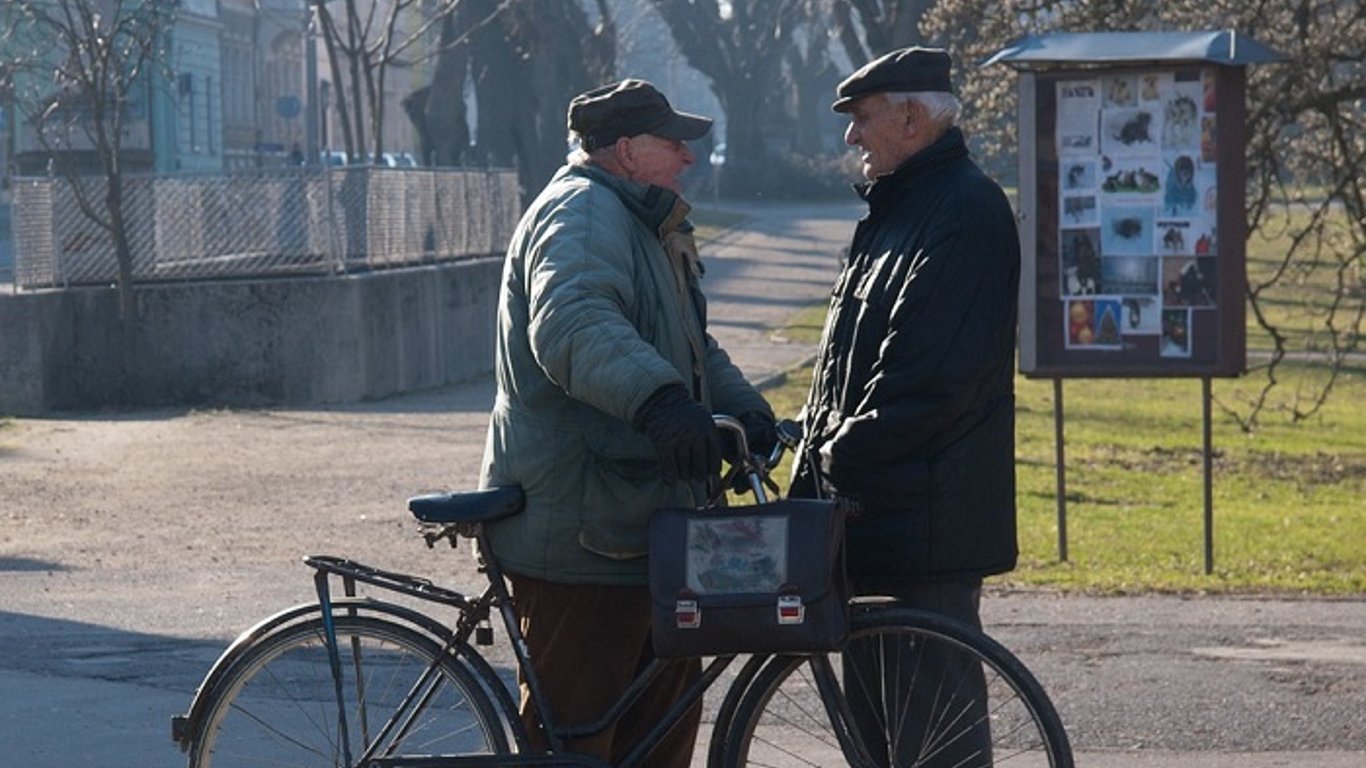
(299,340)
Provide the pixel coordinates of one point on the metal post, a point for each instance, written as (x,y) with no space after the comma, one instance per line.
(1062,470)
(1209,479)
(311,111)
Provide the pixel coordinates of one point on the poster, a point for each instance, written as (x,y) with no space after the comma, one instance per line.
(736,554)
(1137,203)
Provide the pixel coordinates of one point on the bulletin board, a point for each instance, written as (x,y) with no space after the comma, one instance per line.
(1133,221)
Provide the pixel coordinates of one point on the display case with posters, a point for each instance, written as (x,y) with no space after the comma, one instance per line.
(1131,197)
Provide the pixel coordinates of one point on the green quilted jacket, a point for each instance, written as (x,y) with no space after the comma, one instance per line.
(600,306)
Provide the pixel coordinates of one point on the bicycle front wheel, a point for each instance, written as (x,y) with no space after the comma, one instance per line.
(395,693)
(909,689)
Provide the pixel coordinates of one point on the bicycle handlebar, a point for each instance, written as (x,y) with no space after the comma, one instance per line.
(755,467)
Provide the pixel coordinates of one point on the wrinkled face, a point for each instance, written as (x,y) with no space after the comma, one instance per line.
(653,160)
(884,130)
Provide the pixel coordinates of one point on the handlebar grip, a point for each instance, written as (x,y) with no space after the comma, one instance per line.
(789,433)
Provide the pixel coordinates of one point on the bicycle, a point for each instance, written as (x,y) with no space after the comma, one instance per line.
(359,682)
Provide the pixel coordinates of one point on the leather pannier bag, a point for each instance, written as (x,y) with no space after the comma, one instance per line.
(767,578)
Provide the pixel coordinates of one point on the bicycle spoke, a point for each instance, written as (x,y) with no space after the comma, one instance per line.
(268,728)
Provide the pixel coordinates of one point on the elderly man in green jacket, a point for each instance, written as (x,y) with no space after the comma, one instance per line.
(607,379)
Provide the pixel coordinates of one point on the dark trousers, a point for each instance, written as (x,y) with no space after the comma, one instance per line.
(587,642)
(911,704)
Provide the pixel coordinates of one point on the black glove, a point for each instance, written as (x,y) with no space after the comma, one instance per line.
(760,432)
(684,436)
(760,437)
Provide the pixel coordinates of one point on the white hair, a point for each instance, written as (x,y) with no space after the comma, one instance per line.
(577,154)
(580,157)
(940,107)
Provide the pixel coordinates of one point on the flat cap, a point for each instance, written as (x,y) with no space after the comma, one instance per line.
(629,108)
(905,70)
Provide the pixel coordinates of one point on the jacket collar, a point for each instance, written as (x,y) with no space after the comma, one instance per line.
(947,148)
(658,208)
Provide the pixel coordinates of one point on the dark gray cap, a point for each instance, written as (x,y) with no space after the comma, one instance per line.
(905,70)
(629,108)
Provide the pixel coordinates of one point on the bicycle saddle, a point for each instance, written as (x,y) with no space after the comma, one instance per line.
(468,506)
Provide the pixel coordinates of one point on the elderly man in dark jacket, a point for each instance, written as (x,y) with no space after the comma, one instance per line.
(911,410)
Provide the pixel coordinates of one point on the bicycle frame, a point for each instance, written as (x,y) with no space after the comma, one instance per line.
(473,611)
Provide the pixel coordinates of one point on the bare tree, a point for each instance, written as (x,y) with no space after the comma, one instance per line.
(741,49)
(812,76)
(1306,156)
(869,28)
(364,41)
(525,60)
(76,68)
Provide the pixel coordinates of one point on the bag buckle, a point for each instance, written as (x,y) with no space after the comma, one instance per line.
(687,615)
(790,609)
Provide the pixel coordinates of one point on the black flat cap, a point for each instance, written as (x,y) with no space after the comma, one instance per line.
(630,108)
(907,69)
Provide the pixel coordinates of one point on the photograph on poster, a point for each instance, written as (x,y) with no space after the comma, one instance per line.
(1154,86)
(1120,91)
(1180,193)
(1080,256)
(1181,119)
(1128,275)
(1205,241)
(1079,211)
(1080,142)
(1207,138)
(1174,237)
(1188,281)
(1185,237)
(1131,176)
(1140,316)
(1093,324)
(1108,318)
(1130,131)
(1079,175)
(1081,315)
(1126,230)
(1175,333)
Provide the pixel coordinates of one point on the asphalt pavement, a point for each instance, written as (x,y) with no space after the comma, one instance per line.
(93,664)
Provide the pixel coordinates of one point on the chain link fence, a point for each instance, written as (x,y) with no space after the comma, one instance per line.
(278,222)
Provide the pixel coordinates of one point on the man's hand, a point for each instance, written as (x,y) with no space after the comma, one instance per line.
(684,435)
(760,432)
(829,468)
(760,437)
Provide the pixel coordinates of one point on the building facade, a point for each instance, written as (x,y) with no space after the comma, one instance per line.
(242,84)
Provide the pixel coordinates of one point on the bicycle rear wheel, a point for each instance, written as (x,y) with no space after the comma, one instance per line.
(909,689)
(278,706)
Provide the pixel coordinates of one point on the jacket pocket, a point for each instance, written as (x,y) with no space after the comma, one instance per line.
(621,490)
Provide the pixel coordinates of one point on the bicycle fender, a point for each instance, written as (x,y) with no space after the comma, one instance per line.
(185,727)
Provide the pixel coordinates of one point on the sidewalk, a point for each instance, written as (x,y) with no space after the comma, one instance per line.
(134,547)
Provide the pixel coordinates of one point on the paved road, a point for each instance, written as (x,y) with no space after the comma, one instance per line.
(94,659)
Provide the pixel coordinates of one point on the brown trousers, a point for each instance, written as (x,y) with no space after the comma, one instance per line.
(587,642)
